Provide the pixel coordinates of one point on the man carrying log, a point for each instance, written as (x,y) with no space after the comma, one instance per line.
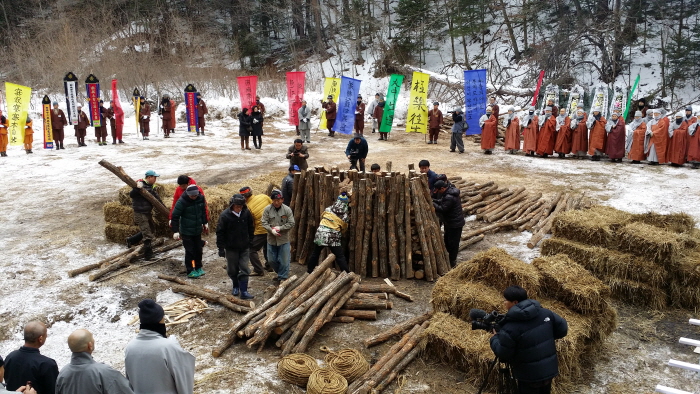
(143,217)
(257,204)
(233,234)
(277,220)
(190,220)
(334,222)
(448,206)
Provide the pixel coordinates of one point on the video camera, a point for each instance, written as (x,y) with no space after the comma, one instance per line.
(481,320)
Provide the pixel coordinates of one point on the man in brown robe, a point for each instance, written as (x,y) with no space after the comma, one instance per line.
(201,111)
(512,125)
(547,134)
(562,145)
(360,116)
(596,140)
(579,134)
(615,146)
(58,122)
(81,127)
(434,122)
(331,110)
(167,114)
(489,131)
(637,139)
(145,121)
(678,140)
(530,130)
(494,107)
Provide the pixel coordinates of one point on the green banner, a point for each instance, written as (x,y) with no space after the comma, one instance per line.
(629,99)
(391,95)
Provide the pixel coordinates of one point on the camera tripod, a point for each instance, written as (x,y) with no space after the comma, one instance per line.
(505,384)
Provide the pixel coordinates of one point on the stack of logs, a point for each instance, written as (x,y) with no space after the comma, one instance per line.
(512,208)
(302,305)
(393,231)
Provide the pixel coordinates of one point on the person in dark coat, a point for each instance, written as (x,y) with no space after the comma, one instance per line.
(357,151)
(28,365)
(435,120)
(526,341)
(288,184)
(379,114)
(360,116)
(424,168)
(143,213)
(166,112)
(331,112)
(448,207)
(297,154)
(145,121)
(189,221)
(81,127)
(201,111)
(616,130)
(245,127)
(257,123)
(234,232)
(58,122)
(101,131)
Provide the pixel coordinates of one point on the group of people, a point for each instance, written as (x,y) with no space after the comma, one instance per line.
(250,123)
(154,362)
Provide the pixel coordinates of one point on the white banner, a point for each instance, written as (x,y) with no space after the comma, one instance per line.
(72,100)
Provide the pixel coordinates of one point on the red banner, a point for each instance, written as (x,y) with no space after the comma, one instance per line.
(537,90)
(93,90)
(118,111)
(295,93)
(247,88)
(191,110)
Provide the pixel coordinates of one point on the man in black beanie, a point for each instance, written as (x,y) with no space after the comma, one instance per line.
(155,363)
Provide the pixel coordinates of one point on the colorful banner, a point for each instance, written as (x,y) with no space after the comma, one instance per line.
(417,117)
(46,117)
(537,89)
(18,97)
(295,93)
(70,84)
(137,108)
(347,103)
(191,108)
(247,89)
(331,87)
(92,86)
(629,99)
(118,110)
(474,99)
(390,104)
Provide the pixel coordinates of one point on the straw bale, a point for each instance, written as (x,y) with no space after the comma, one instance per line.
(166,191)
(594,226)
(604,263)
(497,268)
(117,213)
(457,296)
(570,283)
(118,232)
(676,222)
(637,293)
(653,243)
(684,290)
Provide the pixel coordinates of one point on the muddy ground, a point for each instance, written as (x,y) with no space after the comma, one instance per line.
(52,222)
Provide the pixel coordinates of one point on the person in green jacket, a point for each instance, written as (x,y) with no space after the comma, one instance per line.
(190,220)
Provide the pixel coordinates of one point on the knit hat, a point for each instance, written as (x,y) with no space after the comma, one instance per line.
(439,184)
(510,109)
(357,137)
(237,199)
(595,109)
(436,103)
(245,190)
(689,108)
(637,113)
(183,180)
(548,108)
(532,108)
(192,190)
(294,168)
(343,197)
(330,96)
(359,96)
(680,114)
(275,194)
(150,312)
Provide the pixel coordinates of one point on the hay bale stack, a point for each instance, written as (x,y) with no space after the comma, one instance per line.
(653,243)
(684,288)
(593,226)
(117,213)
(119,232)
(565,280)
(455,296)
(675,222)
(497,268)
(166,191)
(637,293)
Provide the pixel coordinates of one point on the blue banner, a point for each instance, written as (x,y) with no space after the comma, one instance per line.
(347,102)
(474,99)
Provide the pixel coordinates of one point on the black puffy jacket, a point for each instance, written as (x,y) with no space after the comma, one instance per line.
(189,215)
(526,341)
(288,189)
(138,202)
(234,232)
(449,208)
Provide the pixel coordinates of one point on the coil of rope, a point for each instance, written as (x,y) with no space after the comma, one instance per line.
(326,381)
(296,368)
(347,362)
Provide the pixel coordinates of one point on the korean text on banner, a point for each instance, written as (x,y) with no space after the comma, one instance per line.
(347,103)
(191,110)
(474,99)
(247,89)
(629,99)
(46,117)
(331,87)
(93,94)
(118,110)
(390,105)
(70,84)
(417,117)
(18,97)
(295,93)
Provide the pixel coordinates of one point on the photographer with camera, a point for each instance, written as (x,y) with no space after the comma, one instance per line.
(357,151)
(524,338)
(297,154)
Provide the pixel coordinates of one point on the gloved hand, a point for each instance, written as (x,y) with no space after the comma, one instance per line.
(169,221)
(222,253)
(139,184)
(176,236)
(276,231)
(255,121)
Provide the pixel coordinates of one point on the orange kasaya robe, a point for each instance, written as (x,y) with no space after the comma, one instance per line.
(638,137)
(596,140)
(677,150)
(3,135)
(489,132)
(547,136)
(530,135)
(513,134)
(563,141)
(694,142)
(579,137)
(28,135)
(659,139)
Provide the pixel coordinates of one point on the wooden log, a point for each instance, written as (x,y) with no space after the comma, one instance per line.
(375,288)
(484,186)
(407,227)
(539,235)
(99,264)
(342,319)
(551,204)
(208,295)
(234,300)
(357,303)
(399,222)
(375,231)
(125,260)
(437,243)
(312,190)
(296,205)
(357,314)
(510,206)
(490,227)
(532,217)
(323,294)
(359,229)
(471,207)
(392,239)
(471,241)
(368,225)
(397,370)
(373,296)
(505,197)
(524,206)
(420,224)
(121,174)
(382,226)
(516,196)
(397,329)
(419,274)
(231,335)
(283,338)
(300,217)
(547,213)
(279,330)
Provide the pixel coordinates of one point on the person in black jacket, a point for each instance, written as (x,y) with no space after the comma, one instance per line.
(256,117)
(288,184)
(28,365)
(245,127)
(526,341)
(233,235)
(142,213)
(448,206)
(357,150)
(189,221)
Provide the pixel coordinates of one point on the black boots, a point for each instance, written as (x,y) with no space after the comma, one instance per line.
(134,239)
(147,250)
(3,154)
(244,290)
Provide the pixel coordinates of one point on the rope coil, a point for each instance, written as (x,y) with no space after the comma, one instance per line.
(296,368)
(349,363)
(326,381)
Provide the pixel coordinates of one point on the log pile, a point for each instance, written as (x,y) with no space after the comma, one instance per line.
(393,231)
(301,306)
(180,311)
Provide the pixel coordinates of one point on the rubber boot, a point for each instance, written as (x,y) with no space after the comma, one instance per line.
(147,250)
(236,290)
(244,290)
(134,239)
(114,141)
(62,145)
(247,143)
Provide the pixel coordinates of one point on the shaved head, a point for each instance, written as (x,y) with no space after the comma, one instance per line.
(34,331)
(81,341)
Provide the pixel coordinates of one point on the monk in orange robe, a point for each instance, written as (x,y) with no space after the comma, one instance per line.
(512,125)
(28,135)
(596,139)
(4,124)
(637,139)
(657,130)
(693,138)
(547,135)
(562,145)
(579,134)
(678,140)
(530,130)
(489,130)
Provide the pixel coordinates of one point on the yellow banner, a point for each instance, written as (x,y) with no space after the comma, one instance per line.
(417,117)
(331,87)
(18,97)
(137,110)
(48,130)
